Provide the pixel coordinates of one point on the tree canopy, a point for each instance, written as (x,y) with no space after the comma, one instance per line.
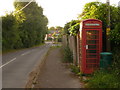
(24,28)
(98,10)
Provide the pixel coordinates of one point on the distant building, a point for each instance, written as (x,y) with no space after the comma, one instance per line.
(49,36)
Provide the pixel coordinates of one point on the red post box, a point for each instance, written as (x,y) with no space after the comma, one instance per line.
(90,45)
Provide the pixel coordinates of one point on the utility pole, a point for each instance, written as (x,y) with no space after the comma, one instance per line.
(119,4)
(108,46)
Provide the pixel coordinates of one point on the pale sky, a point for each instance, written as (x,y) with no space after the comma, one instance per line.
(58,12)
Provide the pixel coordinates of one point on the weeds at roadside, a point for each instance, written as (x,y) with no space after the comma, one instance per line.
(75,69)
(103,79)
(67,55)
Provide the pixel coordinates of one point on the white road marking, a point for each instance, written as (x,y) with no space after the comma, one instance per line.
(25,53)
(7,62)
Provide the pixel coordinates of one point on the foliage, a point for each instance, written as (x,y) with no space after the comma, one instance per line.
(34,27)
(68,56)
(104,79)
(72,27)
(115,40)
(116,61)
(51,28)
(75,69)
(66,27)
(54,29)
(114,17)
(98,10)
(10,34)
(24,28)
(115,35)
(90,10)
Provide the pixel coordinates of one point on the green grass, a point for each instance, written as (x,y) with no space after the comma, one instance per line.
(14,50)
(103,79)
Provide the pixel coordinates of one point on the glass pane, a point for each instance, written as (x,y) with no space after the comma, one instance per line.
(92,66)
(92,41)
(91,51)
(92,37)
(89,32)
(92,61)
(92,46)
(91,56)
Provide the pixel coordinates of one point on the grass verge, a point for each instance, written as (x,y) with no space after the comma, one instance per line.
(14,50)
(103,79)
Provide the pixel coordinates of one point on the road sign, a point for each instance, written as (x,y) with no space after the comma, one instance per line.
(107,30)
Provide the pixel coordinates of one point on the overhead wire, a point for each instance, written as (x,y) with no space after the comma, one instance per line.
(24,6)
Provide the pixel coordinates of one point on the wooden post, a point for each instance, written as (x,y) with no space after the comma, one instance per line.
(108,44)
(74,50)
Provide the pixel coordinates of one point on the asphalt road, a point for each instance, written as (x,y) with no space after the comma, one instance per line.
(16,66)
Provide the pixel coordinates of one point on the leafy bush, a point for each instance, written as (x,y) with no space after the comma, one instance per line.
(104,79)
(115,39)
(68,55)
(116,62)
(74,27)
(115,35)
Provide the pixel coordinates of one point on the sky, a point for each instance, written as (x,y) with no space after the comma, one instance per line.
(58,12)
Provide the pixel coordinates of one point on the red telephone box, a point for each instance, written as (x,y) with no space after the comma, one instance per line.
(90,45)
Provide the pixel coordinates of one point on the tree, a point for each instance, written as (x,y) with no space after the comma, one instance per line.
(10,34)
(34,26)
(115,35)
(52,28)
(97,10)
(66,27)
(25,27)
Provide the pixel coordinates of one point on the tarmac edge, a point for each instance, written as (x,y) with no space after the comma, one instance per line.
(33,75)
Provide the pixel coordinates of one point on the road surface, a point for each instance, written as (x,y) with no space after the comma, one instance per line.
(16,66)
